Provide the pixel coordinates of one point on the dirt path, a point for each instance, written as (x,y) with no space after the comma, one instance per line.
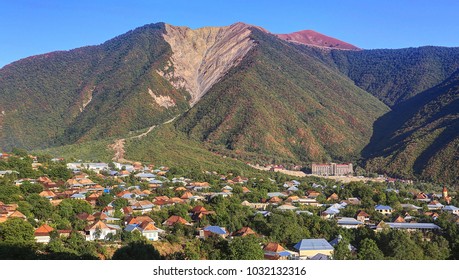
(118,146)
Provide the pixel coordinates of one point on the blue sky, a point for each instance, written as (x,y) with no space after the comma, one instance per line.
(30,27)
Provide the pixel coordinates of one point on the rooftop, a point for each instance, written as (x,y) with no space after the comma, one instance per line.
(313,244)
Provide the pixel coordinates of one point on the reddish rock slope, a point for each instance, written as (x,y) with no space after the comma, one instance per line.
(310,37)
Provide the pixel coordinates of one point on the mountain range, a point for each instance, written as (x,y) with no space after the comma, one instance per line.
(243,92)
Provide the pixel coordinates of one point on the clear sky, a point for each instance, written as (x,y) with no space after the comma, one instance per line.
(30,27)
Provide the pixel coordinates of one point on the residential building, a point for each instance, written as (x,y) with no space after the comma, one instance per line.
(43,234)
(451,209)
(99,231)
(383,209)
(349,223)
(310,247)
(274,251)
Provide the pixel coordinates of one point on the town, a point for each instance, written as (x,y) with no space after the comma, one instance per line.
(54,209)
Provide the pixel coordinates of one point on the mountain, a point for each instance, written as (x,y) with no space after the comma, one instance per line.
(159,71)
(312,38)
(243,92)
(420,136)
(88,93)
(280,104)
(393,76)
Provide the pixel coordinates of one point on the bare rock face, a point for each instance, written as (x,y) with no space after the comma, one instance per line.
(202,56)
(163,101)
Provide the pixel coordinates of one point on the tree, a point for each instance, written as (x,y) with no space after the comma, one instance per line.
(68,208)
(28,188)
(9,193)
(16,231)
(120,203)
(369,250)
(192,250)
(245,248)
(59,171)
(41,207)
(104,199)
(401,247)
(138,250)
(342,251)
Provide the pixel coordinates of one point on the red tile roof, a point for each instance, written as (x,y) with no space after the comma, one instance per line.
(43,230)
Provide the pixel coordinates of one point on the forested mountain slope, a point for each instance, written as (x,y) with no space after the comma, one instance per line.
(281,103)
(88,93)
(420,136)
(392,75)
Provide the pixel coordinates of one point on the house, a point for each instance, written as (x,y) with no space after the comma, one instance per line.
(99,231)
(17,214)
(186,195)
(276,194)
(434,205)
(258,206)
(274,251)
(78,196)
(47,194)
(383,209)
(353,201)
(92,198)
(308,201)
(130,220)
(175,220)
(329,213)
(86,217)
(287,207)
(199,212)
(410,207)
(43,234)
(408,226)
(7,172)
(275,200)
(245,231)
(145,176)
(147,229)
(333,197)
(451,209)
(310,247)
(313,194)
(245,190)
(362,216)
(399,219)
(414,226)
(422,197)
(143,206)
(349,223)
(213,231)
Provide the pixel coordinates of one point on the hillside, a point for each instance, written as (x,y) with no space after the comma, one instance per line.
(88,93)
(420,136)
(280,104)
(392,75)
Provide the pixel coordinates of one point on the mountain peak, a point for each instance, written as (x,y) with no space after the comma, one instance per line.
(313,38)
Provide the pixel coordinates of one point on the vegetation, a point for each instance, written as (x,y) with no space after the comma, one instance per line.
(420,136)
(88,93)
(392,76)
(280,104)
